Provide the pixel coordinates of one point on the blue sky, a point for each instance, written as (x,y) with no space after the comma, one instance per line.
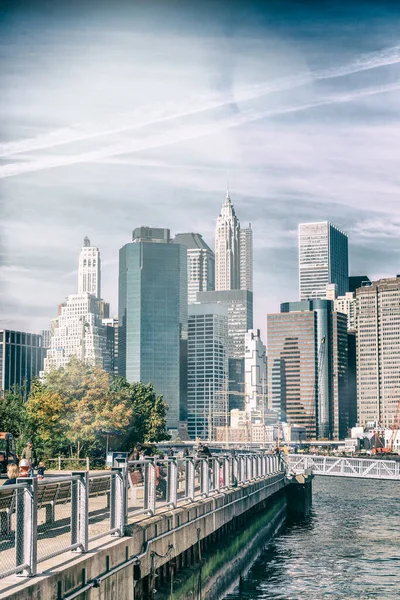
(124,114)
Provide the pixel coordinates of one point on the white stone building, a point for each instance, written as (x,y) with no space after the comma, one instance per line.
(255,372)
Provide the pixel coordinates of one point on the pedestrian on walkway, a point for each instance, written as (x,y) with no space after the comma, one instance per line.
(29,453)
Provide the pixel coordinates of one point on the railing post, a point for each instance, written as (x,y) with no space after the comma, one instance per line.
(87,464)
(172,482)
(227,472)
(59,463)
(204,479)
(235,471)
(117,501)
(149,486)
(80,511)
(26,527)
(216,474)
(189,478)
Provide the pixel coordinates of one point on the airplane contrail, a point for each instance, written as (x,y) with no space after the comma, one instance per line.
(185,134)
(196,105)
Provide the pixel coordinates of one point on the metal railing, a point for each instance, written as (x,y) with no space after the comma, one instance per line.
(341,466)
(42,519)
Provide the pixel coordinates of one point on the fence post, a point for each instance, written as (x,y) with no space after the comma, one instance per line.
(172,482)
(227,472)
(149,486)
(205,481)
(87,464)
(26,526)
(117,501)
(235,474)
(80,511)
(189,478)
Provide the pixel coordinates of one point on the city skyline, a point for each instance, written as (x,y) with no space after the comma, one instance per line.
(78,158)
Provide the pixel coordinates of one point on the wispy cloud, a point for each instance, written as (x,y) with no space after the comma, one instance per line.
(186,133)
(191,106)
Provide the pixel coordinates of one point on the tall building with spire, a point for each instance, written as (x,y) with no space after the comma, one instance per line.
(227,248)
(89,271)
(78,331)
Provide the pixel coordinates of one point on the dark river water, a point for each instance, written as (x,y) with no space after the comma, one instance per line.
(349,547)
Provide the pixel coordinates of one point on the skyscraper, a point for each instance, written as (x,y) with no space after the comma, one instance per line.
(323,259)
(227,248)
(78,330)
(207,369)
(255,366)
(89,271)
(201,264)
(152,318)
(246,258)
(240,320)
(307,367)
(21,359)
(378,351)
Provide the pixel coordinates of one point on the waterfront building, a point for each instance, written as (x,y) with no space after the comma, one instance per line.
(378,351)
(307,367)
(21,359)
(246,258)
(152,316)
(207,364)
(200,262)
(323,259)
(89,271)
(255,367)
(240,320)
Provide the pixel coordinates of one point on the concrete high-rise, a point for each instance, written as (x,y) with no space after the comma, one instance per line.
(78,330)
(89,271)
(21,359)
(240,320)
(246,258)
(378,352)
(201,264)
(227,248)
(207,360)
(346,304)
(323,259)
(255,372)
(152,319)
(307,367)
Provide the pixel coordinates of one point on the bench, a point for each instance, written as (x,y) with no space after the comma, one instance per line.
(50,494)
(7,507)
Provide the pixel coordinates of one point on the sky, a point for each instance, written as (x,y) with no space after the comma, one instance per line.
(116,115)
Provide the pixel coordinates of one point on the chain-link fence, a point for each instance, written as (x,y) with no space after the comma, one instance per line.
(41,519)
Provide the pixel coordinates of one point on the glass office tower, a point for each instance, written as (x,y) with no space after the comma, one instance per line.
(153,315)
(323,259)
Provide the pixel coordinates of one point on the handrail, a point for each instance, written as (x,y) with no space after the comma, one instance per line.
(185,479)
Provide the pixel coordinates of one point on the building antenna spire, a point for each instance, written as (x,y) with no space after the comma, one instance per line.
(227,183)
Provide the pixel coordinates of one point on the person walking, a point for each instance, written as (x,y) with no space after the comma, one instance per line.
(29,453)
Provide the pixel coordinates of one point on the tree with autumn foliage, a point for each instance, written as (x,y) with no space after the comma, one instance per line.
(70,410)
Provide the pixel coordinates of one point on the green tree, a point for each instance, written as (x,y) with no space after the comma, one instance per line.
(147,412)
(73,405)
(13,416)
